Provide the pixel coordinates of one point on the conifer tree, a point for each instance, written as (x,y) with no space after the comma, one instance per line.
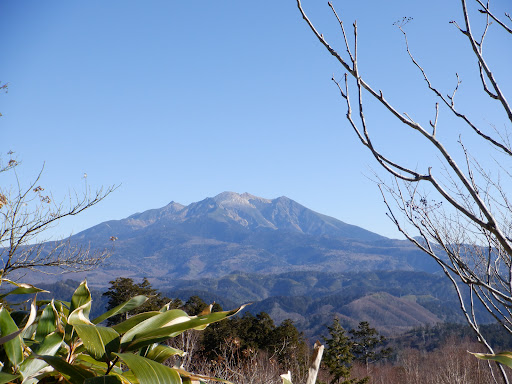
(122,289)
(338,355)
(367,344)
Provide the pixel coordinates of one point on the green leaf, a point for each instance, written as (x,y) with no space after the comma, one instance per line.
(100,342)
(13,347)
(78,316)
(50,345)
(87,362)
(149,372)
(6,338)
(81,296)
(504,358)
(31,318)
(79,308)
(104,380)
(7,378)
(72,373)
(161,353)
(128,324)
(22,289)
(47,322)
(134,302)
(147,335)
(162,319)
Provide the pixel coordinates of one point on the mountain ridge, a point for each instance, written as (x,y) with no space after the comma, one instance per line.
(242,232)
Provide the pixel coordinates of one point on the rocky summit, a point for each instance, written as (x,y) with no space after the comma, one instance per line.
(240,232)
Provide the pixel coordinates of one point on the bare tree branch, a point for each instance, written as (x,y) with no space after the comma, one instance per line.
(27,213)
(468,230)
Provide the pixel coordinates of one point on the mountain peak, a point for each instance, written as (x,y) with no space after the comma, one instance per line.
(233,199)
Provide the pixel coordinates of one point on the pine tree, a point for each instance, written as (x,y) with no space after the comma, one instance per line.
(367,344)
(338,355)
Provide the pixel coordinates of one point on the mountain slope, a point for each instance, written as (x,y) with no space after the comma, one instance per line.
(241,232)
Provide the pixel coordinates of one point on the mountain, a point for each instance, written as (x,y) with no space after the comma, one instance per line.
(392,301)
(241,232)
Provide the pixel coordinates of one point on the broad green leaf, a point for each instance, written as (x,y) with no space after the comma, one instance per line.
(129,378)
(31,367)
(504,358)
(47,322)
(63,307)
(30,320)
(73,373)
(90,363)
(21,289)
(103,380)
(78,316)
(100,342)
(13,347)
(147,335)
(81,296)
(79,308)
(128,324)
(149,372)
(163,319)
(7,378)
(6,338)
(161,353)
(134,302)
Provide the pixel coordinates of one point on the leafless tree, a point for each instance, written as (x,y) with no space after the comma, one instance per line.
(457,210)
(26,213)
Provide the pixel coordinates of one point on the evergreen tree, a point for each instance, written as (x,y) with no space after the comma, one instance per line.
(194,305)
(123,289)
(289,344)
(338,355)
(367,344)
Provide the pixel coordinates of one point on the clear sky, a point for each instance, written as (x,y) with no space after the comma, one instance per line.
(182,100)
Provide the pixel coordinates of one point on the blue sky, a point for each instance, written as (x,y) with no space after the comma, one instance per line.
(179,100)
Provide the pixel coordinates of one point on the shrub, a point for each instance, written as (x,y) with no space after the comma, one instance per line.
(55,341)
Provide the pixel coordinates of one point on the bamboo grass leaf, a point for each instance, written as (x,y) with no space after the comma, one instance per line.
(73,373)
(47,322)
(49,346)
(99,342)
(109,379)
(162,319)
(21,289)
(134,302)
(7,378)
(161,353)
(504,358)
(149,372)
(147,335)
(128,324)
(13,347)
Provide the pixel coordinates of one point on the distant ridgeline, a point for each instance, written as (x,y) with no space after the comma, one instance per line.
(393,302)
(242,233)
(290,261)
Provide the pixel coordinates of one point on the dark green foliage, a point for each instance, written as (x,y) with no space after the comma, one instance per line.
(364,345)
(367,344)
(58,342)
(194,306)
(254,333)
(338,355)
(122,289)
